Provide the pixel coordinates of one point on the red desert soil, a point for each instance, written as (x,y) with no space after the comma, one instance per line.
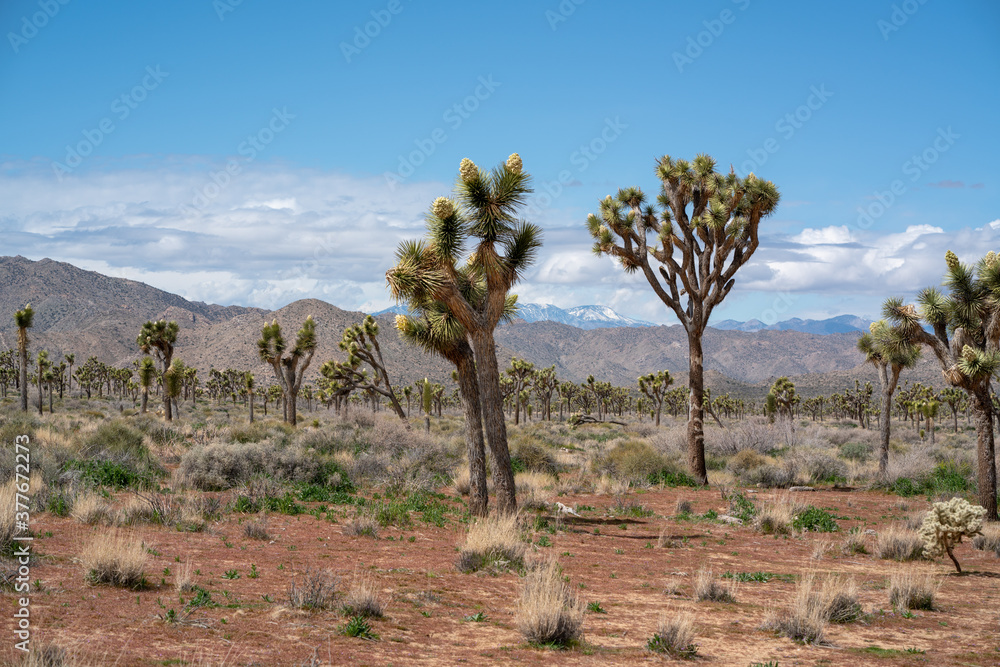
(607,560)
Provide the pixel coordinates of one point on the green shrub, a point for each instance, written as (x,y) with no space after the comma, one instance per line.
(814,519)
(856,451)
(534,457)
(633,460)
(219,466)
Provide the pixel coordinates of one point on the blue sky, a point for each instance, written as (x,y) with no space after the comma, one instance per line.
(257,153)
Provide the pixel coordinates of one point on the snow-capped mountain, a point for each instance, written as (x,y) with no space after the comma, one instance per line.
(581,317)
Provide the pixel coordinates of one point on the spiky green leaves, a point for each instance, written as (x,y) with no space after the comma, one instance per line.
(271,345)
(889,345)
(173,379)
(159,336)
(978,365)
(147,372)
(24,318)
(305,341)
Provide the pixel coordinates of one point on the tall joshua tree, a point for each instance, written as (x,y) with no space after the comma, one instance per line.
(173,382)
(271,348)
(966,342)
(479,239)
(158,338)
(361,344)
(70,360)
(436,330)
(785,397)
(24,319)
(248,384)
(704,228)
(654,385)
(43,365)
(147,375)
(890,353)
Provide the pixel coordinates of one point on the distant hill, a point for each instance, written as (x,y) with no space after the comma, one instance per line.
(87,313)
(833,325)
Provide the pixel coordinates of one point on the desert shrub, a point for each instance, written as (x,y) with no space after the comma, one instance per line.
(945,478)
(632,460)
(856,451)
(899,543)
(154,508)
(989,540)
(158,433)
(362,525)
(822,467)
(946,523)
(675,637)
(532,457)
(115,560)
(805,621)
(12,425)
(363,598)
(549,612)
(840,600)
(256,529)
(854,543)
(775,517)
(814,519)
(707,587)
(741,507)
(749,434)
(493,543)
(8,512)
(220,465)
(771,476)
(116,456)
(910,590)
(744,461)
(260,431)
(316,591)
(683,506)
(90,508)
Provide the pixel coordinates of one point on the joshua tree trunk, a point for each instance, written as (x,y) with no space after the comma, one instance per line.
(493,419)
(39,390)
(145,400)
(478,498)
(889,382)
(982,410)
(696,416)
(251,407)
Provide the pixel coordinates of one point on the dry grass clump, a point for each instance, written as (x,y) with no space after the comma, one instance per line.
(806,620)
(910,590)
(155,508)
(256,529)
(117,559)
(317,590)
(549,612)
(362,525)
(666,540)
(493,543)
(989,540)
(675,637)
(183,582)
(684,506)
(363,598)
(854,543)
(775,516)
(8,512)
(91,509)
(899,544)
(707,587)
(840,600)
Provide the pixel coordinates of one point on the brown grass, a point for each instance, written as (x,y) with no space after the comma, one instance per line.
(256,529)
(493,543)
(805,621)
(363,598)
(549,612)
(91,509)
(911,590)
(675,636)
(707,587)
(989,540)
(317,590)
(899,544)
(117,559)
(775,516)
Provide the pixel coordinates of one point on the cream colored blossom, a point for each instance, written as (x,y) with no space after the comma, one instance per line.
(468,169)
(514,163)
(443,207)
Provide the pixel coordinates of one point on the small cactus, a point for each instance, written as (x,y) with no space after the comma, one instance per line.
(946,523)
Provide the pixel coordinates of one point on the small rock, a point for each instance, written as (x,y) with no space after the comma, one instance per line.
(801,488)
(725,518)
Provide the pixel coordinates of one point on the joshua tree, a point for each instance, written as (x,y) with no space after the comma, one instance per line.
(248,384)
(890,354)
(43,365)
(522,374)
(969,356)
(705,219)
(546,383)
(654,385)
(147,375)
(567,392)
(271,348)
(501,249)
(158,338)
(361,344)
(783,391)
(954,398)
(70,360)
(173,382)
(24,319)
